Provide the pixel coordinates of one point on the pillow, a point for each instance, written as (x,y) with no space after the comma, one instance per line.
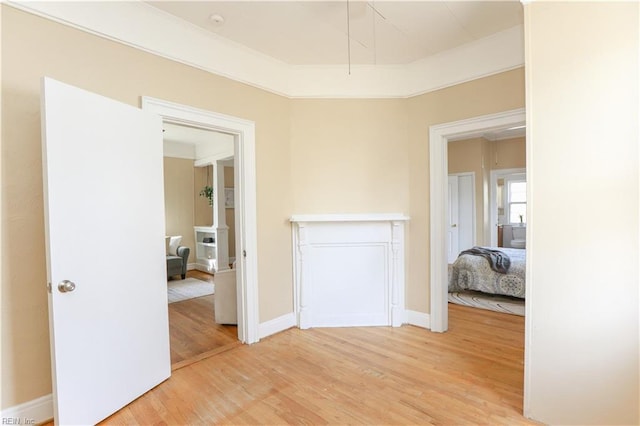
(174,242)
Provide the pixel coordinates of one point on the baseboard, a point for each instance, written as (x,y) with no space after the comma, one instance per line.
(191,266)
(419,319)
(276,325)
(36,411)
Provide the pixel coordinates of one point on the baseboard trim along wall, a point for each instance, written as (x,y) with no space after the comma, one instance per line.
(276,325)
(419,319)
(33,412)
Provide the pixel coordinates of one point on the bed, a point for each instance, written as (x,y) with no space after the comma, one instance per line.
(472,272)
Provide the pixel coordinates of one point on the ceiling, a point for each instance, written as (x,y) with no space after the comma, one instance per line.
(309,32)
(315,32)
(194,143)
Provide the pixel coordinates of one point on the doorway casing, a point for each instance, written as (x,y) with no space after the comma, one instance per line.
(439,136)
(243,132)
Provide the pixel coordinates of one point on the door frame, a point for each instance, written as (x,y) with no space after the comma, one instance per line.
(439,136)
(245,199)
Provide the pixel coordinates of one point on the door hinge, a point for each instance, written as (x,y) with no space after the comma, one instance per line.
(49,287)
(244,253)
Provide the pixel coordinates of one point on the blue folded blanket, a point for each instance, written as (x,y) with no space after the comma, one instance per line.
(498,261)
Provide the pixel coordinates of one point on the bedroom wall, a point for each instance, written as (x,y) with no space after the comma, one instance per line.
(178,201)
(582,310)
(508,154)
(480,156)
(33,47)
(496,93)
(468,156)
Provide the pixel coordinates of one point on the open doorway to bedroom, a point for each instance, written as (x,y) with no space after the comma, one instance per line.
(509,329)
(440,138)
(486,219)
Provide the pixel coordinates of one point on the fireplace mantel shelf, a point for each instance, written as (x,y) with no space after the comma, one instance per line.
(370,217)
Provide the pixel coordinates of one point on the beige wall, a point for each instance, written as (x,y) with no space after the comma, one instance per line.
(33,47)
(488,95)
(349,156)
(469,156)
(178,201)
(582,310)
(508,154)
(203,211)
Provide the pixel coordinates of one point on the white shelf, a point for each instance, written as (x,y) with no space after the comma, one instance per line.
(207,244)
(370,217)
(206,253)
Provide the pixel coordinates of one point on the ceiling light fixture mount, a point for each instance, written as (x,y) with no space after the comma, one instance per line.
(216,19)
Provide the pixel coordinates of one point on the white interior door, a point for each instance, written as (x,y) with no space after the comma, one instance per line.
(466,212)
(104,217)
(452,219)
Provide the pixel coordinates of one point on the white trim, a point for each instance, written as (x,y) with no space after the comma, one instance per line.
(277,325)
(370,217)
(36,411)
(439,136)
(493,200)
(191,266)
(419,319)
(245,178)
(139,25)
(528,316)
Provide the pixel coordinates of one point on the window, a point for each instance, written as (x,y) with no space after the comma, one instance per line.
(516,200)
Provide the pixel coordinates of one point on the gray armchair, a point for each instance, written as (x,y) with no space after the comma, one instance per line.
(177,265)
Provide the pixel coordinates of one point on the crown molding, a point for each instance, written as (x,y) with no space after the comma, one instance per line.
(139,25)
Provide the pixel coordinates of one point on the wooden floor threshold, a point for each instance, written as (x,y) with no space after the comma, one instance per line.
(186,362)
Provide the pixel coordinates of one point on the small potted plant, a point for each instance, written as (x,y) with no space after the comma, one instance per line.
(207,192)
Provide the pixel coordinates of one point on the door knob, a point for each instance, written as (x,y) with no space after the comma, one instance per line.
(66,286)
(454,225)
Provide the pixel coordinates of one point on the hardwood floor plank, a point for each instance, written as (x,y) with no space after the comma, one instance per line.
(192,327)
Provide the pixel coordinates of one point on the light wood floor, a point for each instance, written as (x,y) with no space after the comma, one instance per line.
(472,374)
(193,331)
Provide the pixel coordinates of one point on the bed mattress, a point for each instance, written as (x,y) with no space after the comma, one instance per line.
(470,272)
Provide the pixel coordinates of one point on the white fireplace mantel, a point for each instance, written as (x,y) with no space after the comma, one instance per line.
(371,217)
(349,269)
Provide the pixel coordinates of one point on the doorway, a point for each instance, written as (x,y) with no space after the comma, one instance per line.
(199,166)
(439,137)
(243,134)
